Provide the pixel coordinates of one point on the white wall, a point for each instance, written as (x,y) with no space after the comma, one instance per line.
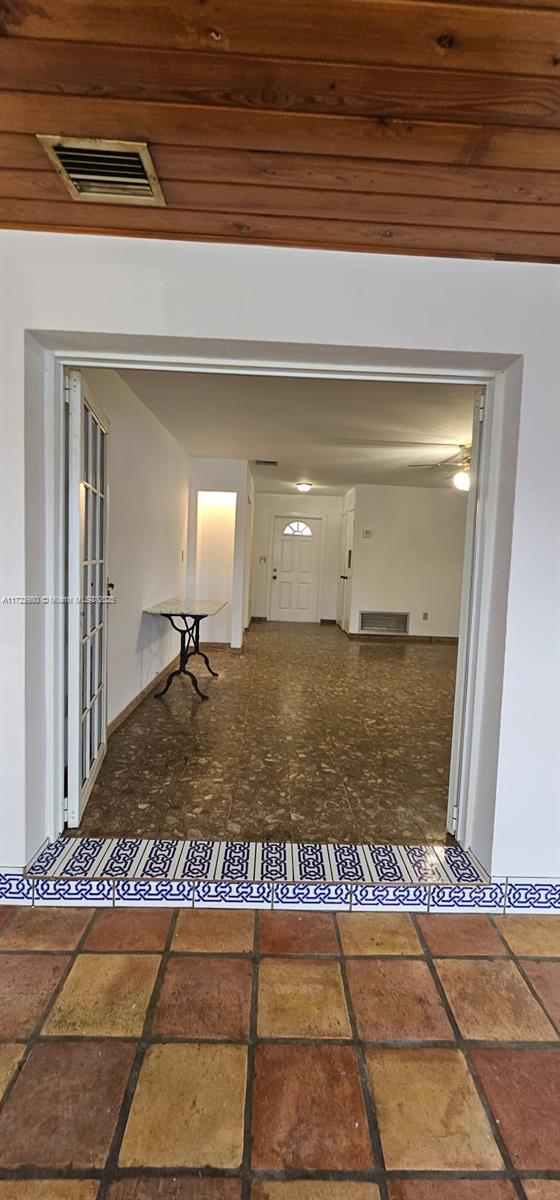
(365,309)
(220,475)
(267,506)
(215,550)
(413,561)
(147,472)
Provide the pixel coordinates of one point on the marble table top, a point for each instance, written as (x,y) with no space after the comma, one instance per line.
(179,606)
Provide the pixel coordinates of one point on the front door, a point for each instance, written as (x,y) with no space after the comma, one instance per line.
(295,569)
(87,587)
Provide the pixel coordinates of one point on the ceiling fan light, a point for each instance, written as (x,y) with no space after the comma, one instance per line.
(462,480)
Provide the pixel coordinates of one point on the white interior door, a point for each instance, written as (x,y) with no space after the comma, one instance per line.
(87,589)
(468,635)
(295,569)
(344,595)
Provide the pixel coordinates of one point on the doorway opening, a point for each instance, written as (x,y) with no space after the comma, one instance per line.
(327,722)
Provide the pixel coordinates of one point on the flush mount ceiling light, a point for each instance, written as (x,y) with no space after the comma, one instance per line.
(304,487)
(107,172)
(462,479)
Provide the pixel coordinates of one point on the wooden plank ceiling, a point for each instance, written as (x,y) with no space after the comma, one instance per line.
(411,126)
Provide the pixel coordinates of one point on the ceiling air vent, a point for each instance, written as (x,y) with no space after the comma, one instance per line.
(383,622)
(106,172)
(265,462)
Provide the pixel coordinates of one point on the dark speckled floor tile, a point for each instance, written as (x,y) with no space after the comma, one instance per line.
(306,736)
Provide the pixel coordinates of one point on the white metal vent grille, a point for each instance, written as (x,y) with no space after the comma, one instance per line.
(104,171)
(265,462)
(383,622)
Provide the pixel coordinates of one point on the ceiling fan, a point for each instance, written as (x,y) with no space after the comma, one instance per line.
(460,464)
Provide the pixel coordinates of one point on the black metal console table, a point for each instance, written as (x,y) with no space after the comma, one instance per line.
(190,613)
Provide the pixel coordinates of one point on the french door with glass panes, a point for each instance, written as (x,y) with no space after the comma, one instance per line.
(87,593)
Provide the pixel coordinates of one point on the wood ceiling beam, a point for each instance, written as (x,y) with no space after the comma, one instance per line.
(284,230)
(133,73)
(412,141)
(409,33)
(198,164)
(279,201)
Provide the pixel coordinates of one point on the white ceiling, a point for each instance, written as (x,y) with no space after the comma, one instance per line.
(333,433)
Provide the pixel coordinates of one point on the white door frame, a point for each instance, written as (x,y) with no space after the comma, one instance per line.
(465,781)
(78,793)
(294,516)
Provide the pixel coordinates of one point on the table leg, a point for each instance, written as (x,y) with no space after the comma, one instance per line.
(182,669)
(200,652)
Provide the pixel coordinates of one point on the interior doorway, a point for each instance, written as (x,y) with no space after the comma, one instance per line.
(294,581)
(340,695)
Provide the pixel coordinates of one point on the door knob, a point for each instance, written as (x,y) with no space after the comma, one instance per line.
(344,577)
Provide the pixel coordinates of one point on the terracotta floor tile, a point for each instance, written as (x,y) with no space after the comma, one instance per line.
(307,1189)
(491,1001)
(308,1109)
(396,1001)
(49,1189)
(129,929)
(542,1189)
(105,995)
(297,933)
(451,1189)
(174,1189)
(532,935)
(64,1105)
(10,1054)
(545,978)
(204,997)
(46,929)
(188,1108)
(456,935)
(523,1089)
(6,913)
(214,932)
(429,1113)
(301,998)
(373,933)
(27,982)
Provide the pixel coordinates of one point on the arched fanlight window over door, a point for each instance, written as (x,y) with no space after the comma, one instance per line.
(298,529)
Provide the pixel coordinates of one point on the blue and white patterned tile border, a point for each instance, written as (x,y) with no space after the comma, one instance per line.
(533,896)
(77,893)
(15,888)
(332,897)
(471,898)
(512,896)
(299,875)
(381,897)
(233,895)
(253,862)
(153,893)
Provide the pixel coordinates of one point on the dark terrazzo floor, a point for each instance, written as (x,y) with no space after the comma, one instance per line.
(307,736)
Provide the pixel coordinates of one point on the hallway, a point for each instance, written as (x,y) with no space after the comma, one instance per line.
(307,736)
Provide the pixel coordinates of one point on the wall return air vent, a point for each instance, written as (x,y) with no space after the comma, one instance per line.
(103,171)
(265,462)
(383,622)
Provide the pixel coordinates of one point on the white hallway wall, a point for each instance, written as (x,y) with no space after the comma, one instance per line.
(267,506)
(413,561)
(469,311)
(148,498)
(230,581)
